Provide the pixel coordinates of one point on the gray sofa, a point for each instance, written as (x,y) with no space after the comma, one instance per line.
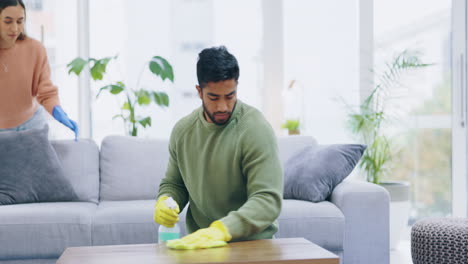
(117,186)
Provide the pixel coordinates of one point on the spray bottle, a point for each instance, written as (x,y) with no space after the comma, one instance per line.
(169,233)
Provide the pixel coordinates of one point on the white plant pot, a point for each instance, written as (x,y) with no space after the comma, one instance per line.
(399,209)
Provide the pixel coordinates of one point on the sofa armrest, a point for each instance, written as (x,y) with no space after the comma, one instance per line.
(366,210)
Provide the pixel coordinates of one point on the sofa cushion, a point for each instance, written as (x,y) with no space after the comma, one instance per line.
(127,222)
(30,170)
(321,223)
(80,161)
(313,172)
(44,230)
(131,168)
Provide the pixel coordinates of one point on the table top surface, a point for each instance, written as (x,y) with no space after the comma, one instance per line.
(278,251)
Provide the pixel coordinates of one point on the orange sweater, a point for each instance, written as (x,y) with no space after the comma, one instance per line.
(24,82)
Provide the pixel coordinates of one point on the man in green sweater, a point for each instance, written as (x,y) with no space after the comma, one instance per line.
(224,161)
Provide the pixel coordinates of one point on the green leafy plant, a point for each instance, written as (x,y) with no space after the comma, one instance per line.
(133,97)
(367,121)
(292,125)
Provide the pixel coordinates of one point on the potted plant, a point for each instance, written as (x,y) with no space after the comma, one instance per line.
(292,125)
(367,124)
(134,97)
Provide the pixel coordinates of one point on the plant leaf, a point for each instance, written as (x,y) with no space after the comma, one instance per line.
(367,123)
(117,116)
(113,89)
(76,66)
(126,106)
(99,68)
(157,98)
(162,68)
(145,121)
(143,97)
(116,89)
(291,124)
(165,98)
(161,98)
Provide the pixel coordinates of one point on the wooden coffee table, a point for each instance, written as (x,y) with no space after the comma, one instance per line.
(277,251)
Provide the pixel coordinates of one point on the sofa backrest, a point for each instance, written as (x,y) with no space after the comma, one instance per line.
(288,145)
(80,161)
(131,168)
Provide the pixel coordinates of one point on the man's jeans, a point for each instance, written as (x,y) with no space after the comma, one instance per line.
(38,120)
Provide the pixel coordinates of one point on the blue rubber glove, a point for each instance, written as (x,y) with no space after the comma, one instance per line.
(63,118)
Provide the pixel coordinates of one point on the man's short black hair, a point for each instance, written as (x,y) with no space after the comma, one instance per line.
(216,64)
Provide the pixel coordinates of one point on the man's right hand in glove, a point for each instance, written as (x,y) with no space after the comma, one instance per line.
(164,215)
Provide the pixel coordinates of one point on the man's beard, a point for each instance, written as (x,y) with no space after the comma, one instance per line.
(211,116)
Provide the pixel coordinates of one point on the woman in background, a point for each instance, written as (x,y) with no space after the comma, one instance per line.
(25,85)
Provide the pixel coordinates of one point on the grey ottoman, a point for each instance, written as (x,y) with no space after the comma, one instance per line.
(440,240)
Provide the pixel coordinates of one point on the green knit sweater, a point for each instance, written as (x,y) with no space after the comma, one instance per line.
(230,173)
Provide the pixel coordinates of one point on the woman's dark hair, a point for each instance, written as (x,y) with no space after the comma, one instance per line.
(6,3)
(216,64)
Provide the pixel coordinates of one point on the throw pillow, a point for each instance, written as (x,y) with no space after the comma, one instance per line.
(30,170)
(312,173)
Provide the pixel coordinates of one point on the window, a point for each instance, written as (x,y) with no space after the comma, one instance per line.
(176,30)
(35,5)
(54,23)
(321,66)
(424,104)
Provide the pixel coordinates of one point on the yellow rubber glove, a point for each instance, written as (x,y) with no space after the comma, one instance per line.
(164,215)
(214,236)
